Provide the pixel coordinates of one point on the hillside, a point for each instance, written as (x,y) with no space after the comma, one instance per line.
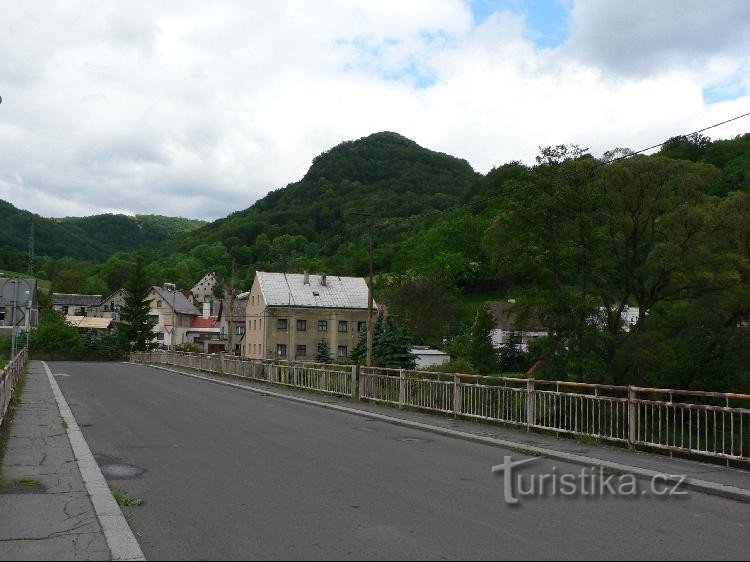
(311,222)
(92,238)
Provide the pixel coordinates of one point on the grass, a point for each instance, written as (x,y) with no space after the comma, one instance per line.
(29,482)
(9,415)
(124,500)
(44,284)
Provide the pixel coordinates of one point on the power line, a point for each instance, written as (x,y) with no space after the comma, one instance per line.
(485,200)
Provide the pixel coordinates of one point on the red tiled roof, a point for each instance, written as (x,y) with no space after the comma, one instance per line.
(210,322)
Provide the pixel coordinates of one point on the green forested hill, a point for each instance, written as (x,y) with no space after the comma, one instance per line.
(92,238)
(310,223)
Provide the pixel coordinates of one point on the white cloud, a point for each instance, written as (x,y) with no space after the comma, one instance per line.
(199,111)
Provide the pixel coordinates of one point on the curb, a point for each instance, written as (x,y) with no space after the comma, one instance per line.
(703,486)
(120,539)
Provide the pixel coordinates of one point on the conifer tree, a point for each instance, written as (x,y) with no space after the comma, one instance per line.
(136,331)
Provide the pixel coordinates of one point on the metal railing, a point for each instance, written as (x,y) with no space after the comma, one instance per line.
(709,424)
(336,380)
(9,376)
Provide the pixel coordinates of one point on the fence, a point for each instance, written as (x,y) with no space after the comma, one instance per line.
(710,424)
(9,376)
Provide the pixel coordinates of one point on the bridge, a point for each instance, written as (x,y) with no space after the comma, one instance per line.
(239,459)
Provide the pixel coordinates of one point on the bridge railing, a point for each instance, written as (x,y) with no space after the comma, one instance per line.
(709,424)
(336,380)
(9,376)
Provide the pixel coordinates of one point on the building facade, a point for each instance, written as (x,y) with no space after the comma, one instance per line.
(69,304)
(173,314)
(289,314)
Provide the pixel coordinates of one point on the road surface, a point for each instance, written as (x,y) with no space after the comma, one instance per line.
(230,474)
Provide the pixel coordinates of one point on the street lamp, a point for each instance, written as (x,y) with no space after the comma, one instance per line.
(172,287)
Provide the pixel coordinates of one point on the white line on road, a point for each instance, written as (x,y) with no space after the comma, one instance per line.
(117,532)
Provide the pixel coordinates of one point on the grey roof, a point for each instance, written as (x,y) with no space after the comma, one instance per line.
(62,299)
(507,319)
(181,304)
(289,289)
(30,282)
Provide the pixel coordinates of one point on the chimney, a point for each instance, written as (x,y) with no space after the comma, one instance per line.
(323,280)
(307,278)
(206,309)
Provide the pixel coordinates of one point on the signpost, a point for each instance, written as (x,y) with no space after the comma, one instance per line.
(18,293)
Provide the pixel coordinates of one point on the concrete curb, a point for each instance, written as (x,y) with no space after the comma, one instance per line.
(120,539)
(703,486)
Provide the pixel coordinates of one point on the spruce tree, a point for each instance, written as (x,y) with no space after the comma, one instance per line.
(136,330)
(358,355)
(391,345)
(323,353)
(482,353)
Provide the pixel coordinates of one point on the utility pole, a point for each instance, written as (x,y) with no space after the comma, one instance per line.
(230,312)
(31,250)
(371,216)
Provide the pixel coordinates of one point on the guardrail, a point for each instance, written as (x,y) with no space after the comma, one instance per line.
(336,380)
(710,424)
(9,376)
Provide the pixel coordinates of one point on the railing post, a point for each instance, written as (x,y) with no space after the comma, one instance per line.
(401,388)
(355,383)
(457,396)
(632,419)
(530,404)
(220,363)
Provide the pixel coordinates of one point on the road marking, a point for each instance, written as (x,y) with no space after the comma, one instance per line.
(117,532)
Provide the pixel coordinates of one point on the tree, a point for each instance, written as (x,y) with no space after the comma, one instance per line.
(323,353)
(54,335)
(358,355)
(511,357)
(426,304)
(391,347)
(481,352)
(136,331)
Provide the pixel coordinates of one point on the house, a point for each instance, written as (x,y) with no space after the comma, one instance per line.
(24,293)
(203,292)
(289,314)
(173,314)
(507,324)
(234,321)
(69,304)
(112,305)
(427,357)
(206,333)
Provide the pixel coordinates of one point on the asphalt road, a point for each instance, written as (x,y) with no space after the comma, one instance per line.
(229,474)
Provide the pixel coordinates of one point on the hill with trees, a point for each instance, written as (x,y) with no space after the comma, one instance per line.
(94,238)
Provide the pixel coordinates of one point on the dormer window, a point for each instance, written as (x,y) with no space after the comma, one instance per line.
(316,294)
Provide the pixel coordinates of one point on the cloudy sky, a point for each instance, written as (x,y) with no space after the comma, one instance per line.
(198,108)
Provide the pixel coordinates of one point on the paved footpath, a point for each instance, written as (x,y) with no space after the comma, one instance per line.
(46,506)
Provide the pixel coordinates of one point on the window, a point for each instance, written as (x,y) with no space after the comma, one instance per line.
(322,325)
(158,304)
(343,351)
(361,326)
(343,326)
(281,350)
(240,330)
(301,325)
(2,314)
(301,350)
(160,336)
(282,325)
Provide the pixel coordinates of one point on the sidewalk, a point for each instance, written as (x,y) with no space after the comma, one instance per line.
(45,510)
(704,477)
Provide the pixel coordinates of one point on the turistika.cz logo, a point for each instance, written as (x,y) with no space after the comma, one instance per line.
(589,482)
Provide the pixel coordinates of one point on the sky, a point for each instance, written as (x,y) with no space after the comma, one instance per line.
(198,109)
